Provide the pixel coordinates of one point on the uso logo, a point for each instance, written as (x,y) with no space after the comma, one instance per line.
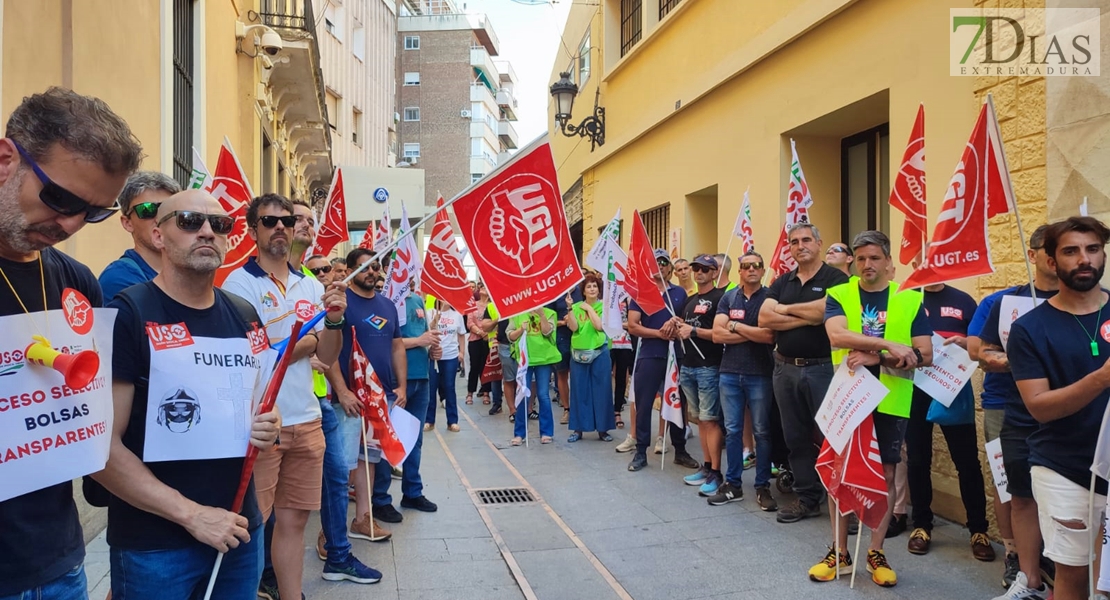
(166,337)
(258,339)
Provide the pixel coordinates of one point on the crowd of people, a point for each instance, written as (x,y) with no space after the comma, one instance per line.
(755,363)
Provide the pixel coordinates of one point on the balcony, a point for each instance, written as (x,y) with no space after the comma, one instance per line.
(507,101)
(483,65)
(507,134)
(483,130)
(294,90)
(481,93)
(481,163)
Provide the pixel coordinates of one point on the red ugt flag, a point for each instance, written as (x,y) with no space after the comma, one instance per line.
(375,410)
(908,192)
(639,281)
(229,186)
(333,226)
(980,188)
(516,228)
(797,211)
(855,479)
(444,276)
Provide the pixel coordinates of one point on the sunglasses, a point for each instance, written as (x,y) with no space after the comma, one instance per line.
(662,262)
(63,201)
(701,269)
(749,266)
(837,250)
(271,221)
(379,287)
(144,210)
(320,270)
(191,221)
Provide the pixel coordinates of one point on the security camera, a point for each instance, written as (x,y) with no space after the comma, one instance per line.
(271,42)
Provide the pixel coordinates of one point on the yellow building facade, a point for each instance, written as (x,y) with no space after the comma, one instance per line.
(180,75)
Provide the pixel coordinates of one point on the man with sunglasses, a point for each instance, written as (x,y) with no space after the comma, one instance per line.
(290,479)
(138,203)
(839,257)
(320,268)
(63,161)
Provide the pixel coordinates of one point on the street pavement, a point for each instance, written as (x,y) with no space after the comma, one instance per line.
(597,531)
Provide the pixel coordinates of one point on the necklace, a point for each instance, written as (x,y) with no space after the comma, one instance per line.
(1094,340)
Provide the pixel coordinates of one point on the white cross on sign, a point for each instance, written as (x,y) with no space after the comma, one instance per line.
(239,397)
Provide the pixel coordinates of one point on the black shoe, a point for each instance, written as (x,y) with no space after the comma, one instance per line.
(495,410)
(387,514)
(419,503)
(639,461)
(725,494)
(853,524)
(685,460)
(897,526)
(533,416)
(796,511)
(268,588)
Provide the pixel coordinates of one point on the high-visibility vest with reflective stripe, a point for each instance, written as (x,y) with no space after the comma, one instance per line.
(902,307)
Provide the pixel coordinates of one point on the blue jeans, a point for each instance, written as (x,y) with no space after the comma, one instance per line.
(445,388)
(702,386)
(416,403)
(71,586)
(740,393)
(182,573)
(333,498)
(542,374)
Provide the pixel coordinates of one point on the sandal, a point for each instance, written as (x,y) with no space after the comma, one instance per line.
(574,437)
(547,439)
(604,436)
(512,418)
(517,441)
(485,399)
(470,399)
(620,421)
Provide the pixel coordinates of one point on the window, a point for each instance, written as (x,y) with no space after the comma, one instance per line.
(865,182)
(657,222)
(182,90)
(412,42)
(331,103)
(631,24)
(333,21)
(358,41)
(412,78)
(665,7)
(584,60)
(476,177)
(412,113)
(412,151)
(356,126)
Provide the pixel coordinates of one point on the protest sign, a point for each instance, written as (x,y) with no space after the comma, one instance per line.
(851,397)
(951,370)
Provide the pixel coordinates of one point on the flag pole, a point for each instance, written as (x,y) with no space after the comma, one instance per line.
(731,236)
(663,457)
(992,133)
(366,469)
(836,534)
(859,534)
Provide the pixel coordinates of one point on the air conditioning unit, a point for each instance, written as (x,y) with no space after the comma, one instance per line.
(464,113)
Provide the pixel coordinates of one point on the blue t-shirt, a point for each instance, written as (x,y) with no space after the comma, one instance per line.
(745,358)
(873,305)
(1048,343)
(654,347)
(415,326)
(125,272)
(995,387)
(1004,385)
(206,482)
(375,323)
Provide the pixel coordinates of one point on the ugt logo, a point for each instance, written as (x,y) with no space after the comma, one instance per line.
(1030,42)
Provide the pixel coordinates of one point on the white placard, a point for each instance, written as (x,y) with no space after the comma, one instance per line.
(998,469)
(951,370)
(50,433)
(851,397)
(201,396)
(1010,309)
(407,428)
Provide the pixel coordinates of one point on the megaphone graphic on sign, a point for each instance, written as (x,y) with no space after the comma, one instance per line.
(79,369)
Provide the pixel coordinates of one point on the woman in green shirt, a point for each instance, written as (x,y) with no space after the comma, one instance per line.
(591,390)
(542,356)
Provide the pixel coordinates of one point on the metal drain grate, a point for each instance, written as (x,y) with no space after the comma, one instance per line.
(502,496)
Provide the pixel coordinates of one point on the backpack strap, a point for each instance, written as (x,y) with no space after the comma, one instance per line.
(246,311)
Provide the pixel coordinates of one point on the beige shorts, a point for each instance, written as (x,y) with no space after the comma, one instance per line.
(291,474)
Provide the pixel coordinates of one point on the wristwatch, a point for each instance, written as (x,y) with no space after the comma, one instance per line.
(732,326)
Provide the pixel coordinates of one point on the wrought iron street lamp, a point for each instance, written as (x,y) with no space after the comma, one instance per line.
(593,127)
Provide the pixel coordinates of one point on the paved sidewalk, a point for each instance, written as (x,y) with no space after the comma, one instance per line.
(601,532)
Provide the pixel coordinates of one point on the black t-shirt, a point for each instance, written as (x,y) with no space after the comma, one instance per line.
(40,532)
(562,332)
(745,358)
(502,328)
(1048,343)
(873,323)
(654,347)
(699,311)
(808,341)
(950,311)
(1015,410)
(206,482)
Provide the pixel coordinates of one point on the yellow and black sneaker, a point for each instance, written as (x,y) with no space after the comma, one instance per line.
(826,569)
(880,570)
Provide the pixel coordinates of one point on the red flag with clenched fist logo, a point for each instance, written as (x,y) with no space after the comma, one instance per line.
(333,224)
(797,211)
(639,279)
(229,185)
(980,188)
(855,478)
(908,193)
(515,226)
(375,409)
(444,276)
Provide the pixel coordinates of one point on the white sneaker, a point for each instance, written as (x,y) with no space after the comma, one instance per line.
(659,445)
(628,445)
(1020,590)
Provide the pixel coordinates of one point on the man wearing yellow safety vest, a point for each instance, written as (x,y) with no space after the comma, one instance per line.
(873,324)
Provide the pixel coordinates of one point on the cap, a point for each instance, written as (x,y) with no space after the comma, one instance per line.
(661,253)
(705,260)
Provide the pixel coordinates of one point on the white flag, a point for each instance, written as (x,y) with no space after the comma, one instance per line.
(522,389)
(383,235)
(405,268)
(1101,464)
(671,408)
(743,227)
(613,292)
(598,256)
(200,177)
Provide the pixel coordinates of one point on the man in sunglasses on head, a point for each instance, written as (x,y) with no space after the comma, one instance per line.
(138,204)
(63,161)
(290,479)
(172,488)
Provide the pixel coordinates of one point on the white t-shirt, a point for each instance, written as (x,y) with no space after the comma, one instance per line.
(451,326)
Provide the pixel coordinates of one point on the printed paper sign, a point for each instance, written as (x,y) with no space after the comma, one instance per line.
(1010,309)
(998,469)
(951,370)
(49,432)
(851,397)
